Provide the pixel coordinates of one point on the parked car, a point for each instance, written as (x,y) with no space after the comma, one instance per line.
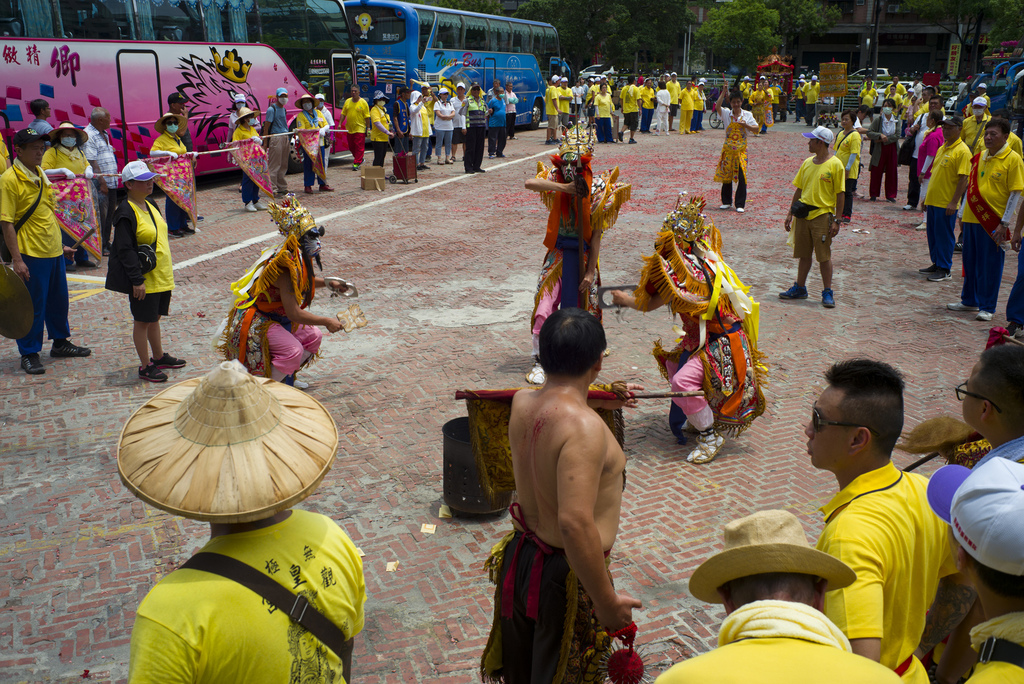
(598,70)
(881,74)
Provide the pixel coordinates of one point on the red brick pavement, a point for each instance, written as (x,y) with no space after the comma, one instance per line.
(446,279)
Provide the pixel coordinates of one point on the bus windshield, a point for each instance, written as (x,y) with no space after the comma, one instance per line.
(378,25)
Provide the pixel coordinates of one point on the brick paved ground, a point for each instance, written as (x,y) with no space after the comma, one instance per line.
(446,278)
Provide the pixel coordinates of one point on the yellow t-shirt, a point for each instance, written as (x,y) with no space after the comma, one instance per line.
(847,146)
(674,89)
(867,96)
(629,99)
(882,526)
(686,99)
(811,92)
(355,115)
(379,116)
(563,105)
(19,187)
(647,97)
(161,278)
(592,92)
(243,132)
(777,661)
(798,91)
(901,90)
(1014,142)
(775,94)
(951,162)
(430,110)
(973,133)
(998,176)
(746,89)
(169,143)
(820,184)
(551,100)
(301,120)
(5,157)
(194,626)
(60,157)
(604,106)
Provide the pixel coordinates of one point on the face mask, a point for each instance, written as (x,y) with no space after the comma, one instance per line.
(978,111)
(68,142)
(282,101)
(172,128)
(308,107)
(250,122)
(887,110)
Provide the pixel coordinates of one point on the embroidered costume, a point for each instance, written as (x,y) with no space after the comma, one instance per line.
(716,351)
(257,332)
(570,218)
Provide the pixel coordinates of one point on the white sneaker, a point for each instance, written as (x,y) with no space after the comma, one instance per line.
(908,207)
(923,225)
(298,384)
(725,206)
(740,210)
(983,316)
(261,206)
(709,443)
(251,207)
(536,375)
(960,306)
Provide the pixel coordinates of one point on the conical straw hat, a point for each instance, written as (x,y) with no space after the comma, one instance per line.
(227,448)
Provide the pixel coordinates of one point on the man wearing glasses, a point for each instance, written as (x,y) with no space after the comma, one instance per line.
(879,522)
(993,401)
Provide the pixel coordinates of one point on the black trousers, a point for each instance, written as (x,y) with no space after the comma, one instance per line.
(914,187)
(496,140)
(380,151)
(741,192)
(510,126)
(108,204)
(851,190)
(474,154)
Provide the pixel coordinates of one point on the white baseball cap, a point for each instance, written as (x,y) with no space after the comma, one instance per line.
(137,170)
(821,133)
(674,73)
(564,79)
(460,85)
(979,102)
(320,96)
(982,85)
(814,78)
(554,79)
(239,98)
(803,80)
(746,78)
(444,91)
(702,81)
(984,507)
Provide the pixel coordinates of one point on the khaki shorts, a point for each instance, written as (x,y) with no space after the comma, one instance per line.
(553,121)
(812,236)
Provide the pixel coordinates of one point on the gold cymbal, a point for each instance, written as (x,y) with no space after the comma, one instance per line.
(15,305)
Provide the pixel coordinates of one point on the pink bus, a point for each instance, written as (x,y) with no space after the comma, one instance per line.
(127,56)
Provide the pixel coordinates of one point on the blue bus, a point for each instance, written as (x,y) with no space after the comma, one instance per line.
(402,44)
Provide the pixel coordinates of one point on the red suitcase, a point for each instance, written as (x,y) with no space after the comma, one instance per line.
(404,168)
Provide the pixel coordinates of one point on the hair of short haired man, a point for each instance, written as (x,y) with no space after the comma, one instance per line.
(864,109)
(1001,379)
(402,91)
(38,107)
(1002,113)
(935,117)
(773,586)
(97,114)
(735,95)
(931,88)
(889,102)
(872,397)
(1002,583)
(571,341)
(631,80)
(1002,124)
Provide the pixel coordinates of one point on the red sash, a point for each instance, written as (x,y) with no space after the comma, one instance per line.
(986,215)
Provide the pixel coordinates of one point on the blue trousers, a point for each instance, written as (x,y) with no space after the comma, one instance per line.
(1015,305)
(604,129)
(48,287)
(940,236)
(697,122)
(176,216)
(983,268)
(309,176)
(250,193)
(645,119)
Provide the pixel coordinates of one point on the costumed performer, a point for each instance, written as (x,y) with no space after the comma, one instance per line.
(269,328)
(732,164)
(717,347)
(580,204)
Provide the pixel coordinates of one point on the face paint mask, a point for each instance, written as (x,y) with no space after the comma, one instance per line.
(307,106)
(172,128)
(310,243)
(887,110)
(68,142)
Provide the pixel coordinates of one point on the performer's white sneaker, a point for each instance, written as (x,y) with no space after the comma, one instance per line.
(740,210)
(923,225)
(709,443)
(725,206)
(298,384)
(251,207)
(261,206)
(536,375)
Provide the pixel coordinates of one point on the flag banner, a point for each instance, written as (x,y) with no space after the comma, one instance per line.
(76,214)
(252,159)
(178,181)
(310,139)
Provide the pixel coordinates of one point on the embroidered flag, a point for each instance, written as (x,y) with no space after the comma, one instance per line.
(178,181)
(75,212)
(252,159)
(310,139)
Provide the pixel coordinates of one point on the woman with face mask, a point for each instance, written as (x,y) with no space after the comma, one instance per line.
(169,144)
(885,134)
(309,118)
(245,129)
(65,154)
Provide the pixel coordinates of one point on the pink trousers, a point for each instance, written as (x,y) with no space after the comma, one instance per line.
(547,306)
(688,378)
(288,350)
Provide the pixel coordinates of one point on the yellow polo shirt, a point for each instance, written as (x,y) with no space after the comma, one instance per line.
(161,278)
(592,92)
(973,132)
(819,184)
(169,143)
(686,100)
(951,162)
(674,88)
(847,146)
(60,157)
(604,106)
(882,526)
(563,105)
(1014,142)
(40,236)
(868,96)
(5,157)
(355,115)
(811,92)
(647,97)
(629,99)
(378,115)
(798,91)
(998,176)
(901,90)
(745,89)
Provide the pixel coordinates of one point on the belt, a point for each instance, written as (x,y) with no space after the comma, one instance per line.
(509,585)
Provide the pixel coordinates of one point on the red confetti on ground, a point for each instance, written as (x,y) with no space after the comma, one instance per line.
(201,314)
(85,675)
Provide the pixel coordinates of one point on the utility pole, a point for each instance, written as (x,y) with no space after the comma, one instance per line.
(878,7)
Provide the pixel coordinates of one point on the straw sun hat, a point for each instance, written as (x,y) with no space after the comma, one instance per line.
(227,448)
(161,124)
(767,541)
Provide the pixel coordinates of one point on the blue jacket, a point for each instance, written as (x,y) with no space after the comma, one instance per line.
(497,119)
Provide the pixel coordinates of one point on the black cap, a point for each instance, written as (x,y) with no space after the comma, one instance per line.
(176,98)
(953,120)
(28,135)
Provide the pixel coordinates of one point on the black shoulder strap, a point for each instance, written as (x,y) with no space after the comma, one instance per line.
(294,606)
(31,210)
(156,230)
(1002,651)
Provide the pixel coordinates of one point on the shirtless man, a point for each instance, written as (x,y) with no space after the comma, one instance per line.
(569,472)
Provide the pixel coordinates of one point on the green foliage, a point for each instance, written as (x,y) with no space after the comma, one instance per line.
(481,6)
(741,30)
(959,17)
(1008,16)
(582,25)
(652,28)
(803,17)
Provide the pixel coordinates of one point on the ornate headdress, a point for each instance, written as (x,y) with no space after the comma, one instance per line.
(294,220)
(577,141)
(686,220)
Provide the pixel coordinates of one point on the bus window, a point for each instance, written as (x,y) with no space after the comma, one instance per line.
(174,22)
(520,37)
(476,33)
(26,19)
(449,32)
(426,21)
(500,35)
(327,26)
(227,21)
(545,45)
(376,25)
(98,19)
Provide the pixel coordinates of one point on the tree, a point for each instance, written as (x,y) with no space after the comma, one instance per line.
(803,18)
(741,30)
(650,26)
(1008,18)
(481,6)
(582,25)
(962,18)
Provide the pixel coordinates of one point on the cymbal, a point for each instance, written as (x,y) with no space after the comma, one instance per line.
(15,305)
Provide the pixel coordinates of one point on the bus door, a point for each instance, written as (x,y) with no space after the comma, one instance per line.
(343,75)
(140,94)
(490,73)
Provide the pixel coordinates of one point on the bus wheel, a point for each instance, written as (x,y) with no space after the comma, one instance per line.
(536,115)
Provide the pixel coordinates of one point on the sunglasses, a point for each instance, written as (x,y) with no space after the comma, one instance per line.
(961,392)
(817,423)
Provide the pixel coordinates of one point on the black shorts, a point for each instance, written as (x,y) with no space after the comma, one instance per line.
(673,110)
(632,120)
(150,309)
(457,137)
